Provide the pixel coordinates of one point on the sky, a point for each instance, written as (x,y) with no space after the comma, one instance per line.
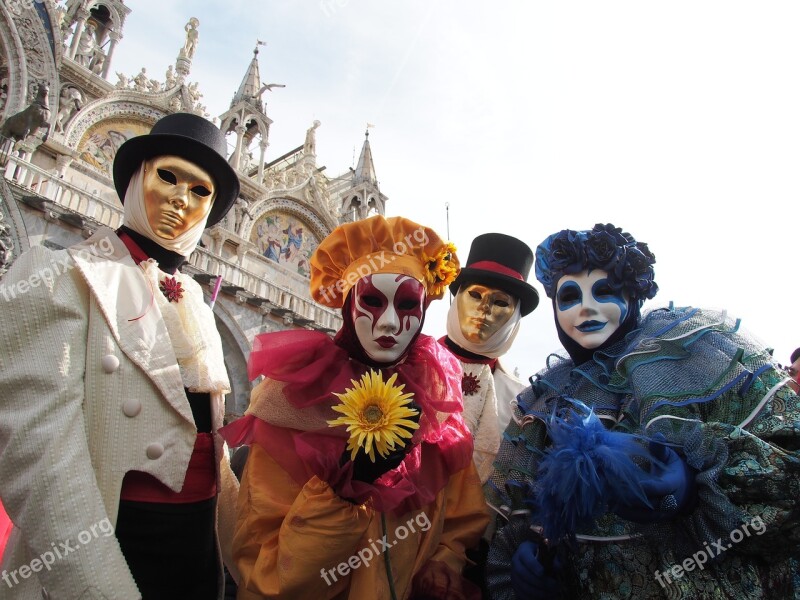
(677,121)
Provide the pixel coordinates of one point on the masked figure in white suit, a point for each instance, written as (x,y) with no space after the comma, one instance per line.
(113,382)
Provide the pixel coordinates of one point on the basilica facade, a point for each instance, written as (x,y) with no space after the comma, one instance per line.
(64,112)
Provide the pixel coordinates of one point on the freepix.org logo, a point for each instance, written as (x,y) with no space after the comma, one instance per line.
(59,550)
(47,275)
(701,557)
(375,549)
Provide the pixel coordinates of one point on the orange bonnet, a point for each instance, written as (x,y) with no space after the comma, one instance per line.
(381,245)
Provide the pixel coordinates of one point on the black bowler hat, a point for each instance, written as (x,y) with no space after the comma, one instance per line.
(191,137)
(500,261)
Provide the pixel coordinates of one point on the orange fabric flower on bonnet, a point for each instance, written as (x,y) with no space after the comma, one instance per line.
(381,245)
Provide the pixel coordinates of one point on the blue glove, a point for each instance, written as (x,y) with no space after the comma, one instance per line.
(670,488)
(528,577)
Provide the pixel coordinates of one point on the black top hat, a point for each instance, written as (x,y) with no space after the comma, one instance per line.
(500,261)
(191,137)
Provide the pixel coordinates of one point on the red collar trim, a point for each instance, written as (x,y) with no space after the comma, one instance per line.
(137,254)
(472,359)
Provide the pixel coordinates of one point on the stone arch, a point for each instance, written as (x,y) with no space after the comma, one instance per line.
(236,350)
(314,221)
(113,10)
(103,109)
(97,131)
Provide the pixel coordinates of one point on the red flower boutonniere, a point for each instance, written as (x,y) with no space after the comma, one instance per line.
(171,288)
(470,384)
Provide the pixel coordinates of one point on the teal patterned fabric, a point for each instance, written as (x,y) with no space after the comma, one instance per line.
(712,391)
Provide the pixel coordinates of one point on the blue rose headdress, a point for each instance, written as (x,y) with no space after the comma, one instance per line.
(629,263)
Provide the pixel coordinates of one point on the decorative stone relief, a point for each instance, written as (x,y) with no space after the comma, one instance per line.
(39,64)
(102,110)
(317,226)
(100,143)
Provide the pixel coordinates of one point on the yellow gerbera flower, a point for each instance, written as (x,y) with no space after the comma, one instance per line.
(442,269)
(375,413)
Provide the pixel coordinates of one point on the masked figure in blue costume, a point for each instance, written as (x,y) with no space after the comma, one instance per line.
(660,459)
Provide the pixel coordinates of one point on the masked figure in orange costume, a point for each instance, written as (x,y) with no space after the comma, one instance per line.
(387,507)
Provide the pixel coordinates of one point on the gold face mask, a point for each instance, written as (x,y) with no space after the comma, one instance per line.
(483,310)
(177,195)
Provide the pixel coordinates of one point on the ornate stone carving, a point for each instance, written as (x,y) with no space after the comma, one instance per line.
(6,245)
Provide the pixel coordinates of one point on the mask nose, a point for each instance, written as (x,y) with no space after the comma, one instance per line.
(389,321)
(180,196)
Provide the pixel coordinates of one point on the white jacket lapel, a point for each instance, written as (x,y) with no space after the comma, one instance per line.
(126,301)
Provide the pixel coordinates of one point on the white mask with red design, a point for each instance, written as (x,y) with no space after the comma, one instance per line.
(387,311)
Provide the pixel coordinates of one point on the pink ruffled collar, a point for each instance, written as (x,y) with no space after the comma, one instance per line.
(312,366)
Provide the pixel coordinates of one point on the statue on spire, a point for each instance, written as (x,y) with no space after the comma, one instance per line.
(192,35)
(310,145)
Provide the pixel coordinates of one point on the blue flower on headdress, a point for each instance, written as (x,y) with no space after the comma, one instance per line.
(629,263)
(602,250)
(566,252)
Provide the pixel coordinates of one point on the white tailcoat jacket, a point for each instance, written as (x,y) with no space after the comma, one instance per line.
(88,393)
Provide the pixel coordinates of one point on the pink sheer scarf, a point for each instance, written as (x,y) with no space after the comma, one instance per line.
(313,366)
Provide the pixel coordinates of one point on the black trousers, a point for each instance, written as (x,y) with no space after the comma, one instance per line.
(170,548)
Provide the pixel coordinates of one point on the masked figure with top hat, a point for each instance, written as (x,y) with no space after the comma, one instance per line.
(360,482)
(491,296)
(113,381)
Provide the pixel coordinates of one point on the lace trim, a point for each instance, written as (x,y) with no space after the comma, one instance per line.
(192,333)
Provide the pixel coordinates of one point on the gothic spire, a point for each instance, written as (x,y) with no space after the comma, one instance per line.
(250,89)
(365,171)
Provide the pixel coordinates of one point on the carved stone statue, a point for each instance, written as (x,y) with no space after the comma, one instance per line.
(31,119)
(310,145)
(192,36)
(194,93)
(123,80)
(86,45)
(69,103)
(98,60)
(141,80)
(170,80)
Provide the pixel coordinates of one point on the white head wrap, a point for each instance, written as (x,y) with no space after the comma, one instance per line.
(135,217)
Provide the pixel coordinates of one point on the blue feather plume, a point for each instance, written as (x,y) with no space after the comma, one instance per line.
(586,470)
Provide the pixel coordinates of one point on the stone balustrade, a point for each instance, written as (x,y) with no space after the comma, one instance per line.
(63,193)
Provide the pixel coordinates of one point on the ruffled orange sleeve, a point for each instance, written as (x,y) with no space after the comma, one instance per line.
(285,534)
